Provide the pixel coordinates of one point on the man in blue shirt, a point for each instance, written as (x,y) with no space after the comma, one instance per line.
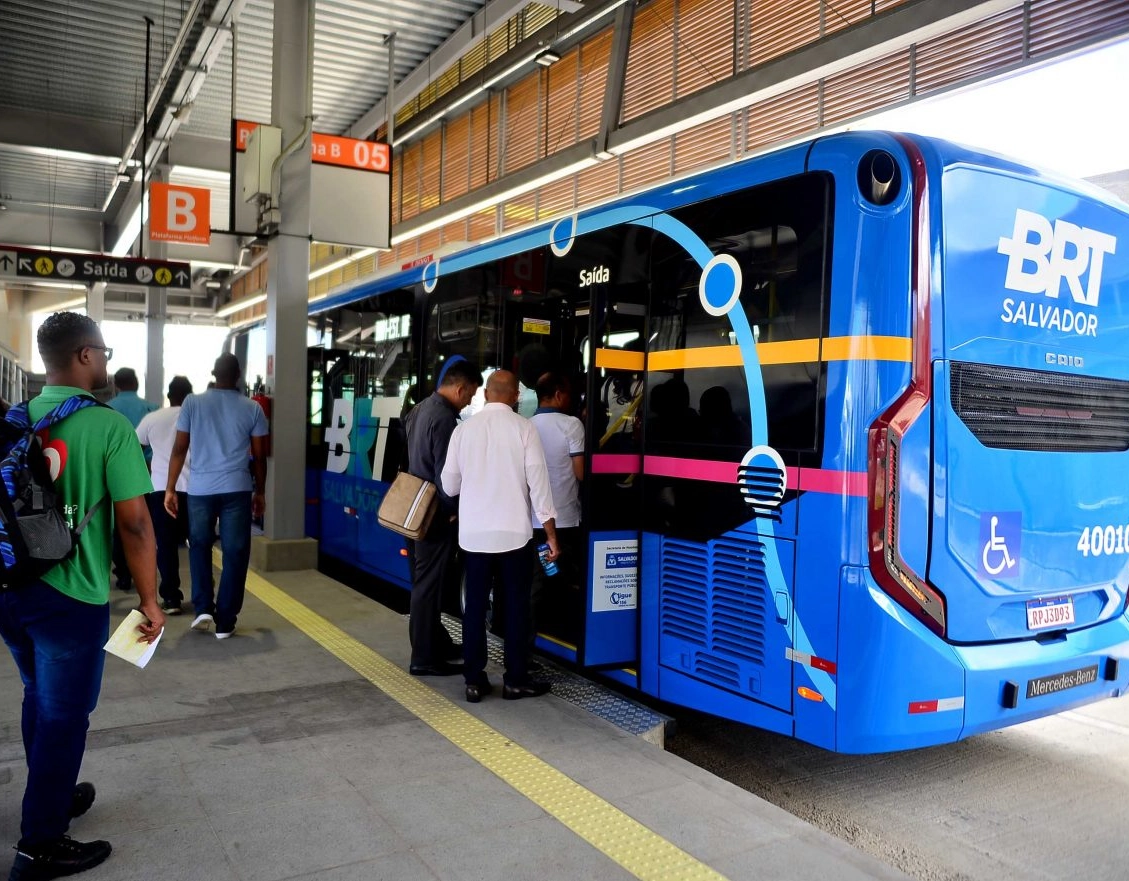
(134,408)
(127,401)
(220,426)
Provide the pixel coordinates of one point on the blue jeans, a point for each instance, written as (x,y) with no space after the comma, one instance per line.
(513,573)
(233,510)
(57,643)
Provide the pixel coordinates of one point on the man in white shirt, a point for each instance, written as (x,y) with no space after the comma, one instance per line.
(496,467)
(562,438)
(157,430)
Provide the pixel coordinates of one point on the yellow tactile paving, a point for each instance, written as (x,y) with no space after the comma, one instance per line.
(632,845)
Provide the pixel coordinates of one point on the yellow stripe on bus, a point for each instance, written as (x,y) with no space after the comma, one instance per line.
(842,348)
(627,842)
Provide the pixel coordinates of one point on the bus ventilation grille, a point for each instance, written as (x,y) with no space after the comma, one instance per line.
(1013,409)
(713,608)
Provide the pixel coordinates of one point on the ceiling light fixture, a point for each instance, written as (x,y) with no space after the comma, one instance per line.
(547,58)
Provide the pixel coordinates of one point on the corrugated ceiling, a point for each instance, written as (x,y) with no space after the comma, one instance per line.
(87,59)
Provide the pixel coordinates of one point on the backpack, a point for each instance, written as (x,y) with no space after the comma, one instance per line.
(34,535)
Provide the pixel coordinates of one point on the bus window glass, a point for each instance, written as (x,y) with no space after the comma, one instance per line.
(777,234)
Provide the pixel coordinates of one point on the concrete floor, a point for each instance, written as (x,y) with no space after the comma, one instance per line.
(264,757)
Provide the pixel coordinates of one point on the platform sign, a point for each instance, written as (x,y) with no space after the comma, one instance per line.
(350,189)
(91,268)
(180,214)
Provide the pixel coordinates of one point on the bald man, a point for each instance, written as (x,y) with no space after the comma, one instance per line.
(496,467)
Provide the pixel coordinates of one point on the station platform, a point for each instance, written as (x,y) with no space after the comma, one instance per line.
(302,749)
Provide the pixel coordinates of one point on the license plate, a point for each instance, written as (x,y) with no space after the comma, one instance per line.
(1051,612)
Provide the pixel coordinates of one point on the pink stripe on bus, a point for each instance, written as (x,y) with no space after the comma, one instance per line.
(615,463)
(839,483)
(690,469)
(820,480)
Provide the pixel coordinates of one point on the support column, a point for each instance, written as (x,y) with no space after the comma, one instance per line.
(284,545)
(96,302)
(156,299)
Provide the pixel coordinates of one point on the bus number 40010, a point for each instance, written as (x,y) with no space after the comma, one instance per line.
(1099,540)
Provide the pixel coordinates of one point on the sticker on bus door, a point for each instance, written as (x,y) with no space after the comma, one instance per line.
(615,575)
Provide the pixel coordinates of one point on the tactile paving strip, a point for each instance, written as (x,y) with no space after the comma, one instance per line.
(624,713)
(625,841)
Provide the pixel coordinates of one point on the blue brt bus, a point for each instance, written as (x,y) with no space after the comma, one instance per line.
(857,420)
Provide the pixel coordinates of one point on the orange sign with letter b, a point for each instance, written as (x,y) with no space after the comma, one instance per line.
(180,214)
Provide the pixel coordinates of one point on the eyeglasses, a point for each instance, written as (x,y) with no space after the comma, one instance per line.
(107,350)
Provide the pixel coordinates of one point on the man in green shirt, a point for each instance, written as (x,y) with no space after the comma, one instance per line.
(56,627)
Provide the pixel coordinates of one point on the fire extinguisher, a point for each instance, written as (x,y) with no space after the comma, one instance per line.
(260,397)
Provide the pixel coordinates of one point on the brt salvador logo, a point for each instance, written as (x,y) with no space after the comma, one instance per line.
(1041,256)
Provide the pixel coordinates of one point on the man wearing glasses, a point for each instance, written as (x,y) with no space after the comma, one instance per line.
(55,627)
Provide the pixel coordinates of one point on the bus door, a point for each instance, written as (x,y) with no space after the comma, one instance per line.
(604,276)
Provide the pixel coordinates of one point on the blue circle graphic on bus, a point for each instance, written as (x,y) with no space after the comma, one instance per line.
(720,285)
(562,235)
(430,275)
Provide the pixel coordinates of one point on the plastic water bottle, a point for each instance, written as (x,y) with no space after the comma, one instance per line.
(543,554)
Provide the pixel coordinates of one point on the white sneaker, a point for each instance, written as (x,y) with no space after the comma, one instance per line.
(225,635)
(202,623)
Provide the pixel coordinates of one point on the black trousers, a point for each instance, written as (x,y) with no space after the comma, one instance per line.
(555,606)
(432,561)
(171,534)
(513,574)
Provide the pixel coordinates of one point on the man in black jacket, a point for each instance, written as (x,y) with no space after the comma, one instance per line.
(429,426)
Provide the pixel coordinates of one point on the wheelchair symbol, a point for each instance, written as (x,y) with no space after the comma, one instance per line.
(996,550)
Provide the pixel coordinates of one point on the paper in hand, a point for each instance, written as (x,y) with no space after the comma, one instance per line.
(124,643)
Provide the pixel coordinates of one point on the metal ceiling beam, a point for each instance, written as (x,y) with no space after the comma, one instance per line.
(472,32)
(51,134)
(173,94)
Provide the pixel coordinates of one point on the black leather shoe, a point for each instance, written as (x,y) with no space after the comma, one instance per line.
(475,693)
(532,688)
(82,799)
(63,856)
(442,668)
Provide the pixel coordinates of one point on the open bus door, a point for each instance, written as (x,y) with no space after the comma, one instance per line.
(587,320)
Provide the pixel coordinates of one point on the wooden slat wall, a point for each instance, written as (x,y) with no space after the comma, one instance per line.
(557,198)
(705,144)
(521,142)
(598,183)
(705,46)
(1056,26)
(562,104)
(650,75)
(866,88)
(840,14)
(456,158)
(480,137)
(594,57)
(970,52)
(455,232)
(783,117)
(519,212)
(646,165)
(411,169)
(779,26)
(431,165)
(483,225)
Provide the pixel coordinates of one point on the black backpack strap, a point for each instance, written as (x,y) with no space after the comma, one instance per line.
(85,520)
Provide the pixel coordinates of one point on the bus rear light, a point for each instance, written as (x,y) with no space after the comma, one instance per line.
(889,569)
